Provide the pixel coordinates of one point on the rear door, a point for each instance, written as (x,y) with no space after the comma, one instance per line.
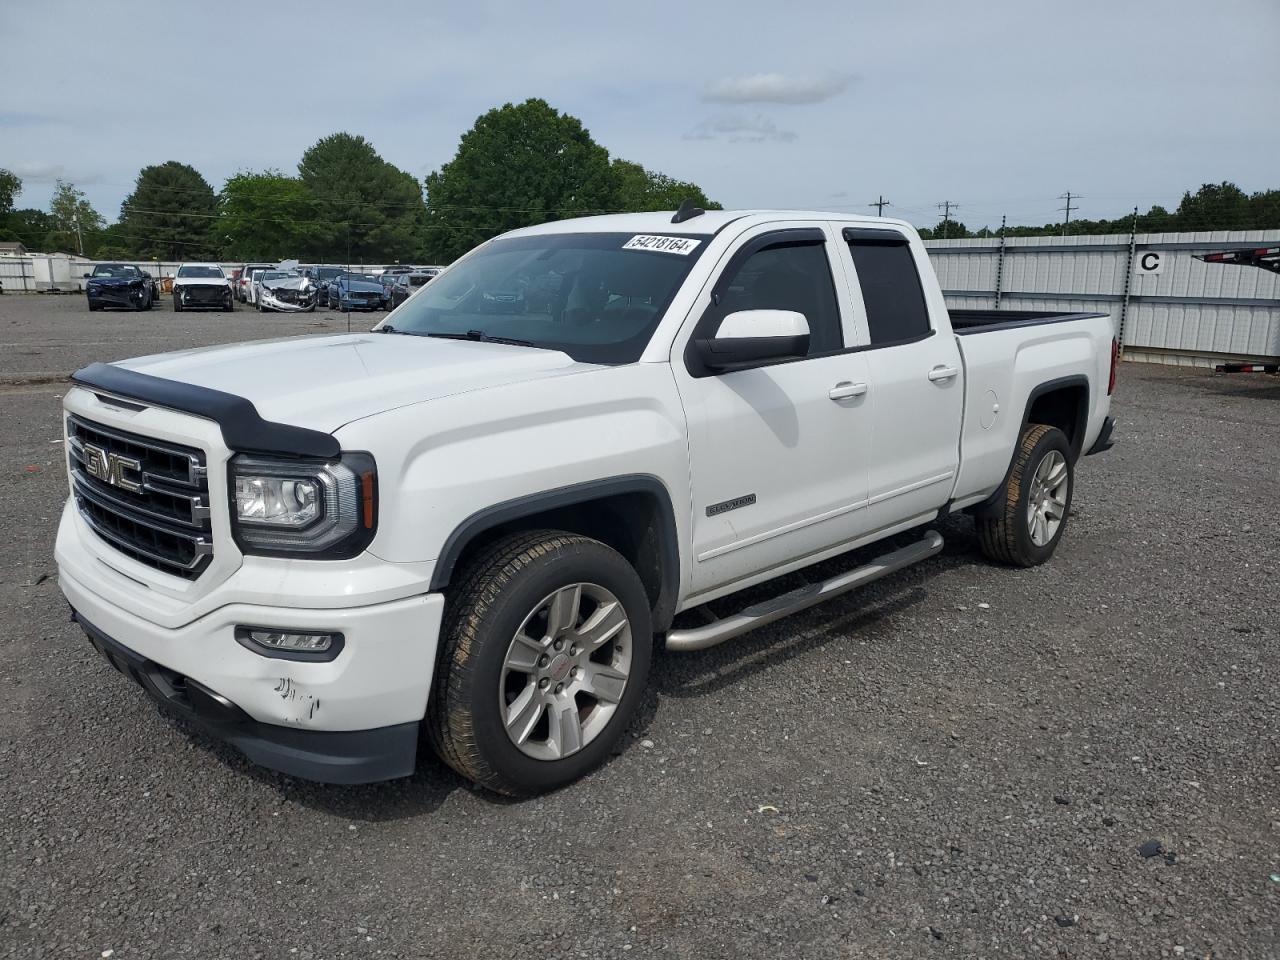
(916,391)
(778,453)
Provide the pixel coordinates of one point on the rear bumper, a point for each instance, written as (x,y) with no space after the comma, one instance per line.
(1104,441)
(346,756)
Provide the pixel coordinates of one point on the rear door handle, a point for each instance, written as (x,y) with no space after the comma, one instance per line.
(846,390)
(941,373)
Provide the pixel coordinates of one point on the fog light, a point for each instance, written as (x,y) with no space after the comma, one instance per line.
(315,642)
(290,644)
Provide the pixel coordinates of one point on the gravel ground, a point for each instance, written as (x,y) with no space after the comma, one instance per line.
(959,761)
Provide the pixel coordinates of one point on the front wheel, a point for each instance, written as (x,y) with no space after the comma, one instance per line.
(177,304)
(1030,515)
(545,654)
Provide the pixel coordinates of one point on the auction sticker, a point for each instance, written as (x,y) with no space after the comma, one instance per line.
(681,245)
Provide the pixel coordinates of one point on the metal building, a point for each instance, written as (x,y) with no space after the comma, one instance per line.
(1168,306)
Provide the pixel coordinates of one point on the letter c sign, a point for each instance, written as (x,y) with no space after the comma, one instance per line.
(1149,262)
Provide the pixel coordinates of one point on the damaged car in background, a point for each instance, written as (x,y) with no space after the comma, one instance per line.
(202,285)
(119,285)
(287,292)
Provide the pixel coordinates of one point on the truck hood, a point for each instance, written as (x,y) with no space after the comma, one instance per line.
(324,382)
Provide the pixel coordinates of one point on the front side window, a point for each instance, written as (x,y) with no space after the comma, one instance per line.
(787,276)
(891,292)
(586,294)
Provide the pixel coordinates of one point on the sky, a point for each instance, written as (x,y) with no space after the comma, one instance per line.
(999,106)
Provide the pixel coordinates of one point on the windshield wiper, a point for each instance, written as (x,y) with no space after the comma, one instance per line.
(481,337)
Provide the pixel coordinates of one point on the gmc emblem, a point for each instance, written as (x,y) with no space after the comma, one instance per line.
(110,468)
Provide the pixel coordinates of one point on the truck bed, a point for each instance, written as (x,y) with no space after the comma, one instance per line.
(965,322)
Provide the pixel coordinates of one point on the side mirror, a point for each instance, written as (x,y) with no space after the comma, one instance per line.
(88,276)
(751,337)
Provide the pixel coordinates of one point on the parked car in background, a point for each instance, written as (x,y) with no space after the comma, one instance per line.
(357,291)
(321,276)
(244,284)
(119,285)
(286,293)
(404,285)
(198,285)
(255,285)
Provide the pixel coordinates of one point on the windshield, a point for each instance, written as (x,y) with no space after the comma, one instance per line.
(272,274)
(326,273)
(586,294)
(204,273)
(363,277)
(115,270)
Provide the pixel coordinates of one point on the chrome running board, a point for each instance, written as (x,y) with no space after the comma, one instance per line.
(767,611)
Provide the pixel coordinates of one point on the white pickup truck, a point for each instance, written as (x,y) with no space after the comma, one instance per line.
(476,522)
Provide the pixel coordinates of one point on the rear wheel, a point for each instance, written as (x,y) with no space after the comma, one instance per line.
(1030,516)
(546,649)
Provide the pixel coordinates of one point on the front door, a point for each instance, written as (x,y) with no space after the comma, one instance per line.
(778,452)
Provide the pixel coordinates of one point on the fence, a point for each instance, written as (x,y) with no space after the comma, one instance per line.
(17,275)
(1168,307)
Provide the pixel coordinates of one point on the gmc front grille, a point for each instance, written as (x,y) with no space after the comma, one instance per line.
(147,498)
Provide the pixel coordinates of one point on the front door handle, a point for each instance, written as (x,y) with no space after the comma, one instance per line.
(940,373)
(845,390)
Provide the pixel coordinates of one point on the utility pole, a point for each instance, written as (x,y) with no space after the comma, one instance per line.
(79,237)
(880,205)
(946,206)
(1068,196)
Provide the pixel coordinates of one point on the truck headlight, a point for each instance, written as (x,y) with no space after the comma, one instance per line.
(303,508)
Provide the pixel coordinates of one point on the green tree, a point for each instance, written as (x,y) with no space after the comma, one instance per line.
(1215,206)
(72,217)
(168,215)
(639,189)
(28,226)
(10,187)
(364,207)
(263,216)
(946,230)
(519,164)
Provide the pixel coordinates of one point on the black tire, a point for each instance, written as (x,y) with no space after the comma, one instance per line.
(177,304)
(489,600)
(94,307)
(1004,532)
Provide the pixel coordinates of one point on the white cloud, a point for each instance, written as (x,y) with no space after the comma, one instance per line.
(739,129)
(43,172)
(776,88)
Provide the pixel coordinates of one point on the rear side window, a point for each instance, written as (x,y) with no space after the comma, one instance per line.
(891,292)
(788,276)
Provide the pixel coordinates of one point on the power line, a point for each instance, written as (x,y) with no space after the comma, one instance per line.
(880,204)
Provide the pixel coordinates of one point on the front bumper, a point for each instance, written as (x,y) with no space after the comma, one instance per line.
(350,720)
(356,303)
(304,305)
(195,297)
(117,296)
(355,756)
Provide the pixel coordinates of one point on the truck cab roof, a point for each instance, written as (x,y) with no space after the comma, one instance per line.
(705,224)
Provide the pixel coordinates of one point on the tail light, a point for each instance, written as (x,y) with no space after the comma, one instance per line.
(1115,359)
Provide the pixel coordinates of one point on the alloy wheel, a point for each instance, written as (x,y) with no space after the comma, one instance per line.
(565,671)
(1047,498)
